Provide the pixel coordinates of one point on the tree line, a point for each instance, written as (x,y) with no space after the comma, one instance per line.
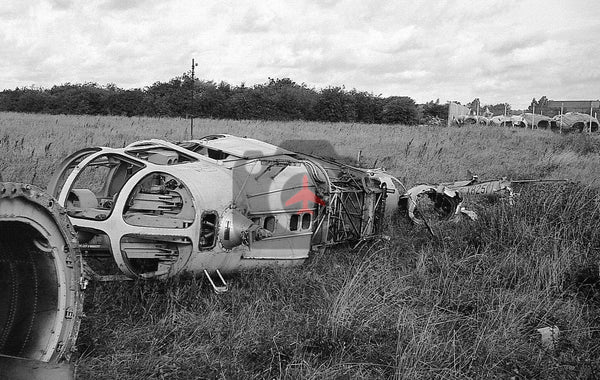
(541,107)
(277,99)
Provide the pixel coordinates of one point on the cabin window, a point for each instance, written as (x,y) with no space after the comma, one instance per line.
(208,230)
(300,222)
(294,222)
(306,221)
(269,223)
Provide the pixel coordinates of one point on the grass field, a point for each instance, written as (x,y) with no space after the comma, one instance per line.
(463,305)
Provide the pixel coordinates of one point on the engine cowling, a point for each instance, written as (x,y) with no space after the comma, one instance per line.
(41,284)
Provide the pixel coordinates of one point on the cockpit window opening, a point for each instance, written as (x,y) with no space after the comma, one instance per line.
(217,154)
(195,147)
(213,137)
(93,193)
(160,155)
(66,168)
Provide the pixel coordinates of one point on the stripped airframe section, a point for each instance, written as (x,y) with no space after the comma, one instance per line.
(447,197)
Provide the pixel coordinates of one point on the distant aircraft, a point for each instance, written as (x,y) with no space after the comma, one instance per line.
(305,196)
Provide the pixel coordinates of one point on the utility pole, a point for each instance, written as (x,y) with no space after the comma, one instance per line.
(591,110)
(562,110)
(192,102)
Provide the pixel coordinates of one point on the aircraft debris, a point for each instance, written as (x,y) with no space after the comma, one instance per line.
(42,285)
(549,336)
(462,120)
(217,204)
(446,199)
(574,122)
(508,121)
(536,121)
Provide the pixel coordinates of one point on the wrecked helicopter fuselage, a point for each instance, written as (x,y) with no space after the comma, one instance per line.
(214,205)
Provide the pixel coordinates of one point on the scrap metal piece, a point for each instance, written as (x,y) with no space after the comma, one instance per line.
(494,186)
(446,202)
(549,336)
(471,214)
(462,120)
(41,284)
(508,121)
(536,121)
(574,122)
(446,197)
(476,187)
(476,120)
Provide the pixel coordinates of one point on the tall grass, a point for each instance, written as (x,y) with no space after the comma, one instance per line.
(463,305)
(32,145)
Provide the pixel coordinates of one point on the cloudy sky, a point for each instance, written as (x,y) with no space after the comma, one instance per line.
(497,50)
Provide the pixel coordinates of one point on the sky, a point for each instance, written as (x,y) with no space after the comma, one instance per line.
(501,51)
